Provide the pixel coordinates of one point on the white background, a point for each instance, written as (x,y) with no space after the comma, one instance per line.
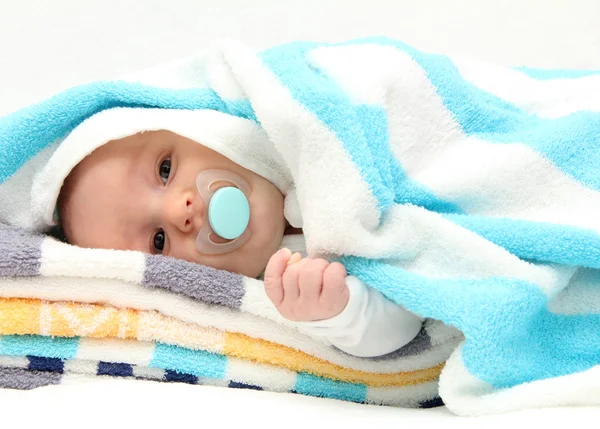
(49,45)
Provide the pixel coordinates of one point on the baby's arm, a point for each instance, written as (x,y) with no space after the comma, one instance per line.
(328,303)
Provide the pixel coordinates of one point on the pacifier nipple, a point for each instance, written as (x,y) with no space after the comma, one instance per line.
(228,211)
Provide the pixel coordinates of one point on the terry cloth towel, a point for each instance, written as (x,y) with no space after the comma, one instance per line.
(161,314)
(464,191)
(31,371)
(69,320)
(155,360)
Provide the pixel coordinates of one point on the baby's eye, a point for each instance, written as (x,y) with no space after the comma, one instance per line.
(159,241)
(165,169)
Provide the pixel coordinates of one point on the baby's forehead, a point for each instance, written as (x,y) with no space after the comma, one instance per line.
(126,144)
(105,195)
(121,159)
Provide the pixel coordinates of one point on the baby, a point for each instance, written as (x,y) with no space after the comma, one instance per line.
(139,193)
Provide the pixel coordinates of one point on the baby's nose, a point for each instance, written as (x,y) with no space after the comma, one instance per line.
(185,213)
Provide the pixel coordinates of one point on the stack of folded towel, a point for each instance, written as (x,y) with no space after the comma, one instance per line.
(66,311)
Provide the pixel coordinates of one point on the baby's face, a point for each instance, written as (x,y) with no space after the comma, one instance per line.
(139,193)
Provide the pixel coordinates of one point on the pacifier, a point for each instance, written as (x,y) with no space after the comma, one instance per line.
(228,212)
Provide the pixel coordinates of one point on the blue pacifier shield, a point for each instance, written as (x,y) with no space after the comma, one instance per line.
(229,212)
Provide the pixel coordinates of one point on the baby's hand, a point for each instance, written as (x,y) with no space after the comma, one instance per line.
(305,290)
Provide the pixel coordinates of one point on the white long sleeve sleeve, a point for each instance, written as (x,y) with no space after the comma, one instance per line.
(370,325)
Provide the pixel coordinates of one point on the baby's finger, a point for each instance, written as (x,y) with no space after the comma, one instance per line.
(295,258)
(310,280)
(273,275)
(334,281)
(290,281)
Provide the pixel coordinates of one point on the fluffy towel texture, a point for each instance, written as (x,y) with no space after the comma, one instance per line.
(466,192)
(28,372)
(68,320)
(181,318)
(165,361)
